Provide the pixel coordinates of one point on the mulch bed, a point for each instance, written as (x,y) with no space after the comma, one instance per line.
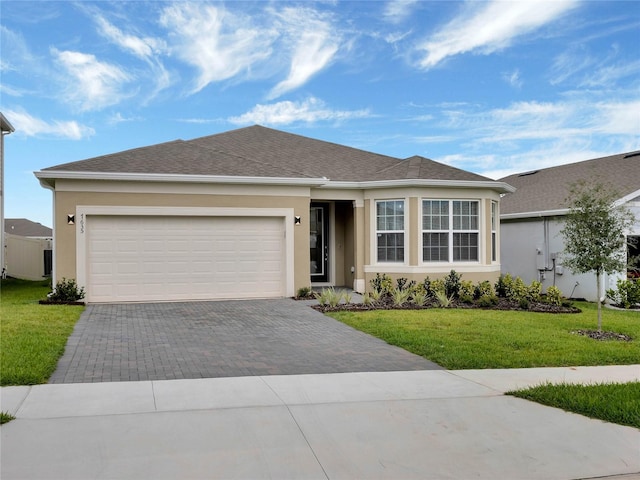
(53,302)
(600,335)
(502,304)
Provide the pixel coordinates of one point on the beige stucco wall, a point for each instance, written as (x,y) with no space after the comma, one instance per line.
(66,202)
(354,217)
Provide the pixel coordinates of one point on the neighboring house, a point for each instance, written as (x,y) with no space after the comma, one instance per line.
(28,253)
(257,212)
(532,219)
(5,129)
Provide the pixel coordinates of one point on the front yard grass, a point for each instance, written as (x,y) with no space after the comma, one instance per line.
(32,336)
(475,339)
(470,339)
(611,402)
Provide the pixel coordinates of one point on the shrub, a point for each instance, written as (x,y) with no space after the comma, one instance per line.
(518,290)
(305,292)
(67,291)
(523,303)
(627,293)
(442,300)
(452,284)
(329,297)
(504,284)
(419,297)
(435,287)
(382,283)
(484,288)
(467,291)
(400,296)
(403,284)
(487,300)
(554,296)
(534,291)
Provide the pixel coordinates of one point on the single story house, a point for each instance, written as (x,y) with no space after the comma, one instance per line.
(257,212)
(532,219)
(27,249)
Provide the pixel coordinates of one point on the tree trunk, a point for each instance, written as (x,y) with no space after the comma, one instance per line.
(599,302)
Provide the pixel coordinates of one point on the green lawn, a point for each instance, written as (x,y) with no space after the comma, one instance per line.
(474,338)
(617,403)
(459,339)
(32,336)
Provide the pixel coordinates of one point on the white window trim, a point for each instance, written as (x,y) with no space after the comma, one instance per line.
(374,239)
(495,226)
(450,231)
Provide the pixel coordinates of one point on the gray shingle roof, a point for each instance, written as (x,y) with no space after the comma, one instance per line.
(547,189)
(26,228)
(263,152)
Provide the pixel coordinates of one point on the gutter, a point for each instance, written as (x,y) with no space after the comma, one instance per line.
(48,177)
(538,214)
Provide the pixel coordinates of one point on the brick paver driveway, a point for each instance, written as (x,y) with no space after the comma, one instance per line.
(162,341)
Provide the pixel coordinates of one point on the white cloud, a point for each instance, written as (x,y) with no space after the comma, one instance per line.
(397,11)
(315,45)
(93,84)
(30,126)
(528,135)
(513,78)
(140,47)
(487,27)
(145,48)
(284,113)
(219,44)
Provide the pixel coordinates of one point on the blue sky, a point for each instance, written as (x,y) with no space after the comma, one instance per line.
(490,87)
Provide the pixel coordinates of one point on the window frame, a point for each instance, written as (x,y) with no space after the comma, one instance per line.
(495,221)
(451,230)
(379,232)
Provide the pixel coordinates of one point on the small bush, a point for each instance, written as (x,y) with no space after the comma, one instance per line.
(435,287)
(467,291)
(487,300)
(626,294)
(419,298)
(534,291)
(504,284)
(400,297)
(329,297)
(452,284)
(523,304)
(67,291)
(442,300)
(305,292)
(382,283)
(484,288)
(553,296)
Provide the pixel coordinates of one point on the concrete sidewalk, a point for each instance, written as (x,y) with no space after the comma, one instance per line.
(418,424)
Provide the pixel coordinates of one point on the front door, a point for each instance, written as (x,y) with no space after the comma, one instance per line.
(319,242)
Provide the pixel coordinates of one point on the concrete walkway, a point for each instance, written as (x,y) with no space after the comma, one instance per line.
(398,425)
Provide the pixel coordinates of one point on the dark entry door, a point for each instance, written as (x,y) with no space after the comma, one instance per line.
(319,242)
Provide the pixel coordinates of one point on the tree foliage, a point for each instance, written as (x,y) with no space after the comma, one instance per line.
(594,231)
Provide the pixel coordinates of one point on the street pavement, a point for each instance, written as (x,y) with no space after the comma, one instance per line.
(422,424)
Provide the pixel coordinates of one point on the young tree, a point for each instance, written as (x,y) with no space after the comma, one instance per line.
(594,232)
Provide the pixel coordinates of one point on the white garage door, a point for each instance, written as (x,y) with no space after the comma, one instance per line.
(149,258)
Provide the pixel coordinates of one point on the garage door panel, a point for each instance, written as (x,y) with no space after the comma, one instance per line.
(148,258)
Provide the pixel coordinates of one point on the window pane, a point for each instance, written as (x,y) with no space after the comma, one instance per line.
(465,247)
(390,247)
(435,247)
